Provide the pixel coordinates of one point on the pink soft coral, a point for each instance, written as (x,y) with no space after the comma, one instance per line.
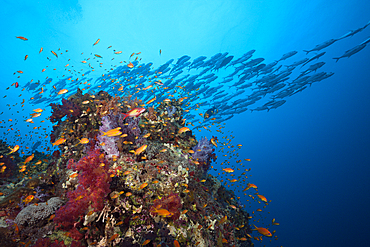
(93,187)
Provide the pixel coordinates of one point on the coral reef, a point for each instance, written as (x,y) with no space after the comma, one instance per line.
(146,184)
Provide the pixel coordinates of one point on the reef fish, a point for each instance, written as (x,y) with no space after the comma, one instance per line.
(28,199)
(133,113)
(140,149)
(63,91)
(263,231)
(59,141)
(14,149)
(112,132)
(29,158)
(96,42)
(183,129)
(22,38)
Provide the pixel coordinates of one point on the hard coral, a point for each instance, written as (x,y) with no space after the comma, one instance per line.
(93,187)
(36,212)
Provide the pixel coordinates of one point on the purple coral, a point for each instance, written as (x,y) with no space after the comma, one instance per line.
(132,129)
(39,195)
(202,150)
(171,110)
(110,147)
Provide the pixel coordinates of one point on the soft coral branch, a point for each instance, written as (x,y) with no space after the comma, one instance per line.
(94,180)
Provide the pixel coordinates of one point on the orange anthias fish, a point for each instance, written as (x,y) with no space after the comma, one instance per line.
(176,243)
(29,158)
(28,199)
(223,220)
(54,53)
(96,42)
(63,91)
(41,49)
(163,212)
(140,149)
(21,37)
(146,242)
(15,149)
(25,57)
(130,65)
(183,129)
(59,141)
(38,110)
(96,55)
(150,101)
(252,186)
(113,132)
(84,141)
(113,237)
(262,198)
(146,135)
(143,186)
(213,142)
(133,113)
(228,170)
(262,231)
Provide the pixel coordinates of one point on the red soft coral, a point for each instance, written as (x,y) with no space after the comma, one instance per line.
(67,108)
(93,187)
(172,203)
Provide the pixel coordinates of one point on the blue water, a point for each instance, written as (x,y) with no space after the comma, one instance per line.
(309,156)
